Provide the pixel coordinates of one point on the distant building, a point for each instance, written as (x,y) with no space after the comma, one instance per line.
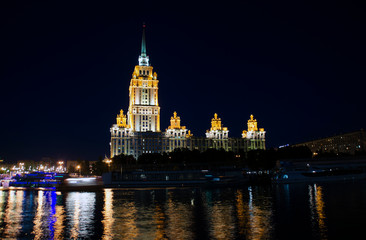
(348,143)
(138,131)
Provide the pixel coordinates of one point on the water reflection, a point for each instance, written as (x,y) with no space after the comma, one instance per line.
(258,212)
(255,216)
(80,214)
(3,197)
(124,216)
(59,219)
(13,214)
(317,210)
(108,214)
(38,219)
(160,220)
(177,218)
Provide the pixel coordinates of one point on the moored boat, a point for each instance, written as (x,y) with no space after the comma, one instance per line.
(180,178)
(36,180)
(81,184)
(318,175)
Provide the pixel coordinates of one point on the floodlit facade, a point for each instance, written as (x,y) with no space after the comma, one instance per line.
(256,138)
(138,131)
(177,135)
(218,135)
(347,143)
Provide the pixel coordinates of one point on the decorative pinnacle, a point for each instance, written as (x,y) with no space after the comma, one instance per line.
(143,58)
(143,43)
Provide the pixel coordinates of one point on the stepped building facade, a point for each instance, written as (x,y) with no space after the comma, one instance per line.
(138,131)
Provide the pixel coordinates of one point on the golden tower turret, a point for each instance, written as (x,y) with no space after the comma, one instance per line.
(257,138)
(120,132)
(217,130)
(252,124)
(189,134)
(122,120)
(176,133)
(175,122)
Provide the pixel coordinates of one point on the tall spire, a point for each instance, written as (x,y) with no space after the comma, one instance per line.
(143,58)
(143,43)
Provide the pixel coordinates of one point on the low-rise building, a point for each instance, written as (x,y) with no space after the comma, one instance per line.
(347,143)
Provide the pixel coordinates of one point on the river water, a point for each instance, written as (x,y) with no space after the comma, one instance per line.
(289,211)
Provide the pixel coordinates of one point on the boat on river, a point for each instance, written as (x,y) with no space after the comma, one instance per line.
(318,175)
(36,180)
(54,181)
(81,184)
(180,178)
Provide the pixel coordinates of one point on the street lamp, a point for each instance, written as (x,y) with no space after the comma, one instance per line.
(21,167)
(78,167)
(61,163)
(108,161)
(109,164)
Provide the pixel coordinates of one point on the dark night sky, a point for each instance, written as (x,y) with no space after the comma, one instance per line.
(298,66)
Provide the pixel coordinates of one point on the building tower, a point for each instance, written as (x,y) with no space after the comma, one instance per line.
(257,139)
(217,135)
(121,134)
(176,134)
(144,111)
(138,132)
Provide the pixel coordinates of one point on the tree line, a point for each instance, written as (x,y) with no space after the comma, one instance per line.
(181,159)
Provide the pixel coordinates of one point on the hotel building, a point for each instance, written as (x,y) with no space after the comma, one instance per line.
(139,132)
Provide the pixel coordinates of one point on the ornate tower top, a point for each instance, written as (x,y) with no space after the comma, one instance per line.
(143,58)
(175,122)
(122,120)
(189,134)
(252,124)
(217,131)
(253,132)
(216,124)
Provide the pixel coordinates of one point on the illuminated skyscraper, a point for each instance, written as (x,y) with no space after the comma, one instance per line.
(144,111)
(138,132)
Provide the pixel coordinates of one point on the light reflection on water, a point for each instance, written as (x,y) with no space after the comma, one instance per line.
(13,214)
(108,220)
(80,214)
(317,211)
(257,212)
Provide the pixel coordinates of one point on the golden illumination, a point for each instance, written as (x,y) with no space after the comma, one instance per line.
(144,100)
(125,225)
(222,223)
(216,124)
(38,221)
(59,224)
(189,134)
(241,212)
(319,207)
(160,219)
(175,122)
(177,219)
(13,214)
(108,212)
(252,124)
(122,120)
